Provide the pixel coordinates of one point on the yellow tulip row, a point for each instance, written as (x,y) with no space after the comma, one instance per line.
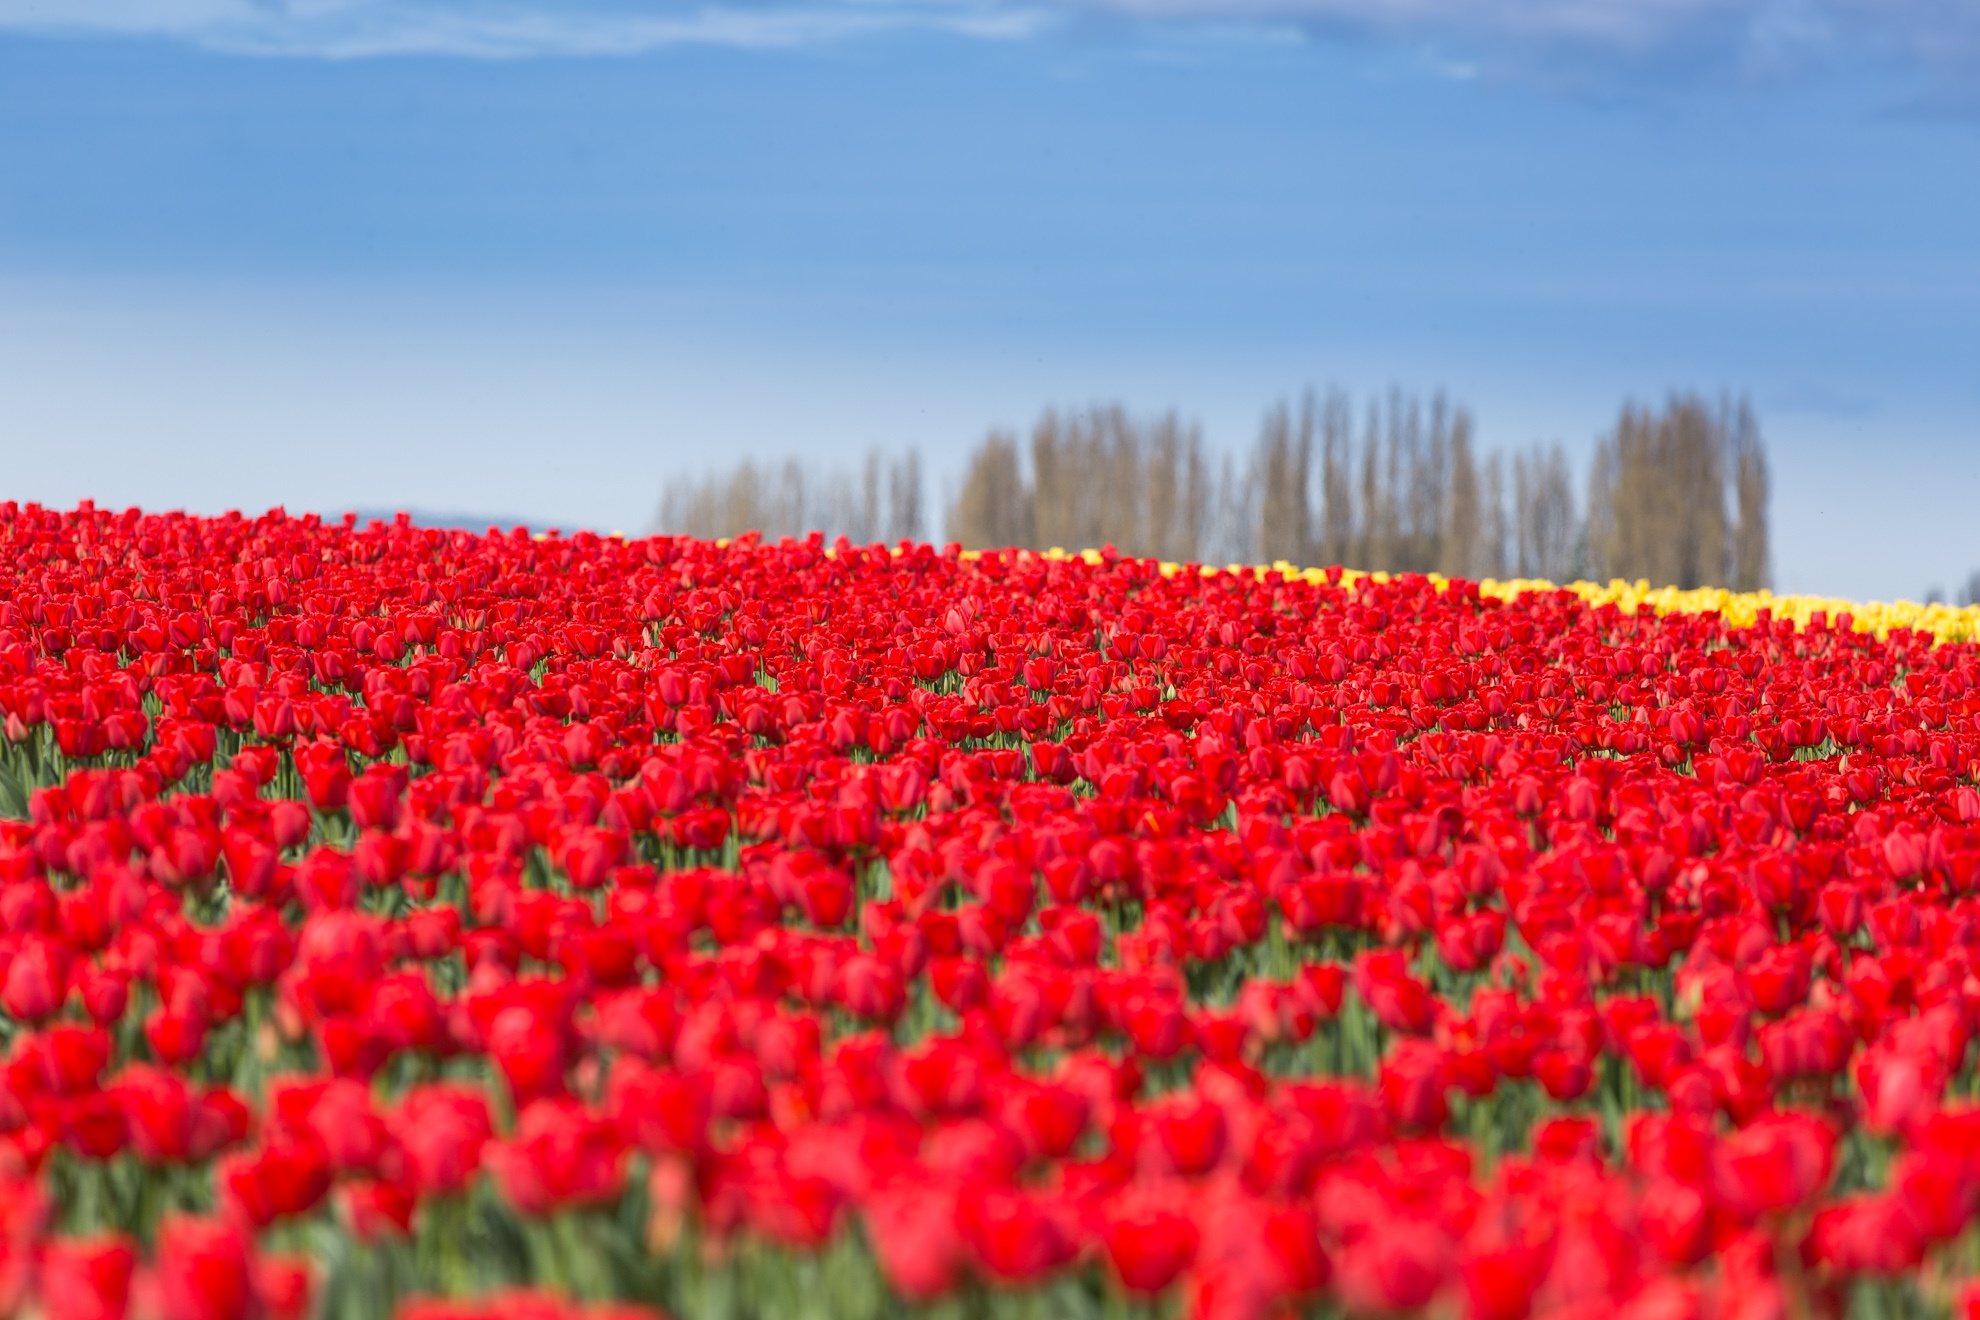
(1947,623)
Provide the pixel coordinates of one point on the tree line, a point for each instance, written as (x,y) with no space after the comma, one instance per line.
(879,501)
(1677,494)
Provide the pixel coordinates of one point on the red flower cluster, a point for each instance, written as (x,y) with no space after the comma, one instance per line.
(557,925)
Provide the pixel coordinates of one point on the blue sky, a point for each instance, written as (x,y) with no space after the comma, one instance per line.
(533,259)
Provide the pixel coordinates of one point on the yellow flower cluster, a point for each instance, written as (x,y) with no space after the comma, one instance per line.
(1947,623)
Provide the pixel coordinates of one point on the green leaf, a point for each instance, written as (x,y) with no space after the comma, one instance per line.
(13,795)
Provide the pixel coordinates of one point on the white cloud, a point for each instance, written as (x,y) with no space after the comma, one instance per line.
(355,29)
(1554,38)
(1612,22)
(1590,41)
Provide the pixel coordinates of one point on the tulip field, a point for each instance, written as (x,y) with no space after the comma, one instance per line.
(400,922)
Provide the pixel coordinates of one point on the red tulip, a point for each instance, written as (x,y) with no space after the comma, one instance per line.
(1190,1133)
(561,1156)
(326,775)
(1016,1236)
(35,980)
(175,1036)
(1399,1267)
(442,1129)
(1049,1116)
(1149,1241)
(1413,1086)
(1775,1164)
(88,1278)
(1939,1191)
(376,1210)
(282,1179)
(912,1225)
(528,1048)
(204,1270)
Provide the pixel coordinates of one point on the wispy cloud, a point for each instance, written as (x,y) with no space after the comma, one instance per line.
(358,29)
(1558,39)
(1589,41)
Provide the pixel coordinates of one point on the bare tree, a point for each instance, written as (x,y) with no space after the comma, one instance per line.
(771,500)
(1408,498)
(1279,472)
(1180,506)
(1098,477)
(1750,567)
(1658,492)
(1422,457)
(1055,485)
(1378,521)
(1544,526)
(1233,506)
(1496,530)
(1461,548)
(994,508)
(880,502)
(1405,484)
(1338,528)
(1677,496)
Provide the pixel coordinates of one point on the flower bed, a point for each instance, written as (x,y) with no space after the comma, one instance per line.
(396,920)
